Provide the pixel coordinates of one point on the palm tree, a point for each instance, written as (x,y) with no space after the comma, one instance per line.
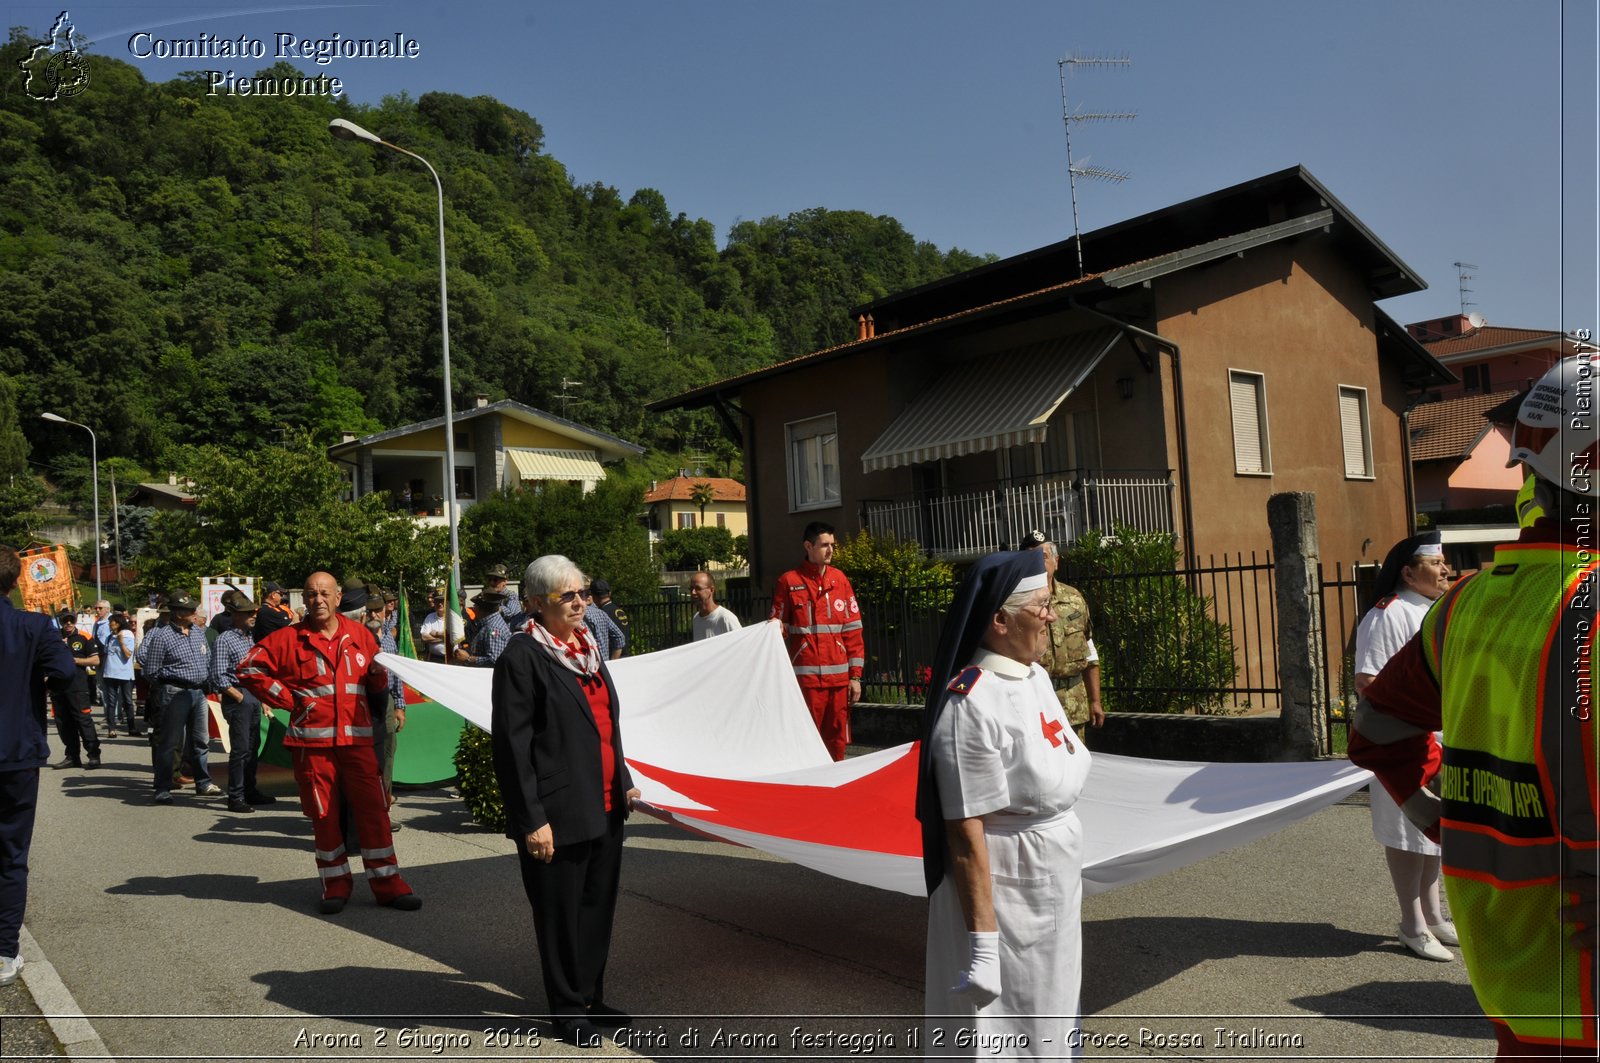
(702,495)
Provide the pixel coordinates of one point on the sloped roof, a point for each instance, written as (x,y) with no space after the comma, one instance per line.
(1278,206)
(681,489)
(1489,338)
(1451,428)
(609,446)
(1278,198)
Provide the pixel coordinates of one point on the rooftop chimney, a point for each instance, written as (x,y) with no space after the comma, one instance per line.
(861,327)
(347,437)
(480,400)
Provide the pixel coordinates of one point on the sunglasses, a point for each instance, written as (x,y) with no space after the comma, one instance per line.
(565,599)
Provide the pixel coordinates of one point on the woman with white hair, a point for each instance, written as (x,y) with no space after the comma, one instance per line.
(1002,846)
(558,759)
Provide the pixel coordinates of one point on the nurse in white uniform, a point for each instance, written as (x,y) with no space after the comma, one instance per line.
(1414,575)
(1003,848)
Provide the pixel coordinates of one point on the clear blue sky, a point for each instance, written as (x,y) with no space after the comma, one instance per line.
(1438,122)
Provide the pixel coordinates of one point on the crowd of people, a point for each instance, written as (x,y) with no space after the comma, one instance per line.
(1468,691)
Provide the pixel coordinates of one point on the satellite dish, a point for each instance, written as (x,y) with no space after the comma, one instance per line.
(1476,319)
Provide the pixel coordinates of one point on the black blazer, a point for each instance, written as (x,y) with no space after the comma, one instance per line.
(547,747)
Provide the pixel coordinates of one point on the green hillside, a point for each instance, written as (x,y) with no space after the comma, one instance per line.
(176,269)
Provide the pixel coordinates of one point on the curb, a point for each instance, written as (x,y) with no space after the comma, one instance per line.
(76,1034)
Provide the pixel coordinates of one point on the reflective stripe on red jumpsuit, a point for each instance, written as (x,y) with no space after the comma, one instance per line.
(324,685)
(822,631)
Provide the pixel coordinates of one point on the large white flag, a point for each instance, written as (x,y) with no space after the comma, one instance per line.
(720,741)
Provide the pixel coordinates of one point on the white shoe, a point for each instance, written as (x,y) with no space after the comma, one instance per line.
(10,967)
(1427,946)
(1445,932)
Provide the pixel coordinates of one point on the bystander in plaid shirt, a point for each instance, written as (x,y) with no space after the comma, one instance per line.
(226,653)
(169,656)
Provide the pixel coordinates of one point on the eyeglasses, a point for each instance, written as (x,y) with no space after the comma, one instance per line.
(566,599)
(1042,611)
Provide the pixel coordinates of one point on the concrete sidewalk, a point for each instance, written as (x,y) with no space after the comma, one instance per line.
(186,932)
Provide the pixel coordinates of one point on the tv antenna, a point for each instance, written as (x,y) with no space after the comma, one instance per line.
(1462,277)
(1076,170)
(565,398)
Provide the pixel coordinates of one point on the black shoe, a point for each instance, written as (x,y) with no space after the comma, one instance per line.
(240,806)
(94,760)
(406,902)
(580,1033)
(606,1015)
(332,905)
(257,798)
(393,826)
(67,762)
(162,797)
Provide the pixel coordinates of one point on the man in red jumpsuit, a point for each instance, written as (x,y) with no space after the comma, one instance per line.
(822,628)
(323,671)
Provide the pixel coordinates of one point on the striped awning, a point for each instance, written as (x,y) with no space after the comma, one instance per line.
(575,465)
(988,403)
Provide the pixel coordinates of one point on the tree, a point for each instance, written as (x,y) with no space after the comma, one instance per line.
(20,490)
(281,512)
(598,530)
(689,549)
(702,495)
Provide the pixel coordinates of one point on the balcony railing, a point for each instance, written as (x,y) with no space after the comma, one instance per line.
(972,523)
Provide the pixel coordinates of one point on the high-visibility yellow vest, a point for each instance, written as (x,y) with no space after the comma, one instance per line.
(1528,507)
(1518,781)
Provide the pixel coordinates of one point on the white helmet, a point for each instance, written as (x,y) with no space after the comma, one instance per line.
(1556,433)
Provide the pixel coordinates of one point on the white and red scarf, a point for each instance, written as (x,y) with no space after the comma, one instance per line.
(585,661)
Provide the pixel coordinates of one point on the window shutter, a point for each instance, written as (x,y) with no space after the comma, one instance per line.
(1352,425)
(1244,396)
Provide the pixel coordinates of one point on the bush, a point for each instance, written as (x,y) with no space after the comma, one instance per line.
(1161,649)
(881,567)
(475,778)
(688,549)
(903,595)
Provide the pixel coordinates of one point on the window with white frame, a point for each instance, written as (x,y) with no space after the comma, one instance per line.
(813,462)
(1247,396)
(1356,431)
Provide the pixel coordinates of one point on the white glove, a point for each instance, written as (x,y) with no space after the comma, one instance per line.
(982,976)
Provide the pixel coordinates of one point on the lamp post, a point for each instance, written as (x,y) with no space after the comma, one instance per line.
(94,463)
(347,130)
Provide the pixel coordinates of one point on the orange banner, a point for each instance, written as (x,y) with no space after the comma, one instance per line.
(46,581)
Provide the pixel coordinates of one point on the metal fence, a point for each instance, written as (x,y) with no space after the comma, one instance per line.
(969,524)
(1202,638)
(1172,640)
(1345,597)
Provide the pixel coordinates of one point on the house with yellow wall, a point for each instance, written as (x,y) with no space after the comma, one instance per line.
(673,504)
(497,444)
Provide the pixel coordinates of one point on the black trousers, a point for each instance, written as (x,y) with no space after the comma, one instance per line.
(75,726)
(19,799)
(574,898)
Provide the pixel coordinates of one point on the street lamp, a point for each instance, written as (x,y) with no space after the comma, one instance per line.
(347,130)
(94,462)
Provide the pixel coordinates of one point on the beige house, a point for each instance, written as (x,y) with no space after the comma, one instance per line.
(497,444)
(673,504)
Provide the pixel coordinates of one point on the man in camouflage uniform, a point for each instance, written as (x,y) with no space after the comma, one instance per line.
(1070,657)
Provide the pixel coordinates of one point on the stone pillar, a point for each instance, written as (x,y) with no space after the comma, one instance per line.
(1292,517)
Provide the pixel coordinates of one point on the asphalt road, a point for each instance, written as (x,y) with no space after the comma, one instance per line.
(186,932)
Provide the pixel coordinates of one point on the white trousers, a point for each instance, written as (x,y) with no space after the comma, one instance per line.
(1037,883)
